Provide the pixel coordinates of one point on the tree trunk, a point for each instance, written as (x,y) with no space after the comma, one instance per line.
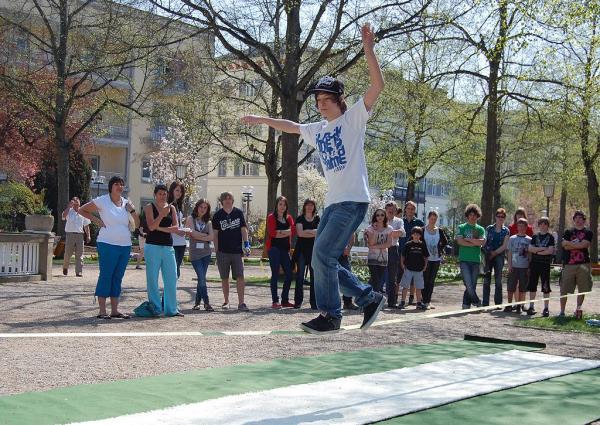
(62,177)
(561,222)
(290,106)
(491,147)
(594,204)
(410,189)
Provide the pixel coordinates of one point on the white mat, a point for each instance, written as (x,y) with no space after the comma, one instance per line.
(367,398)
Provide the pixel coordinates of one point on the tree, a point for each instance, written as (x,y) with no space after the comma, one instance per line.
(81,52)
(288,58)
(493,50)
(178,147)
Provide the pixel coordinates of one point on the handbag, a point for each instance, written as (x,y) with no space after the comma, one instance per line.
(146,309)
(59,249)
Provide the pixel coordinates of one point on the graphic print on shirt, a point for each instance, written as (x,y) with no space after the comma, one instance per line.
(577,256)
(229,223)
(331,149)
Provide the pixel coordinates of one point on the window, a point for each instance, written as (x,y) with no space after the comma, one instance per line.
(94,162)
(222,171)
(146,171)
(158,132)
(246,90)
(245,168)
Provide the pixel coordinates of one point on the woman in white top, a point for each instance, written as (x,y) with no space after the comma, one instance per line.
(113,243)
(379,236)
(175,198)
(436,242)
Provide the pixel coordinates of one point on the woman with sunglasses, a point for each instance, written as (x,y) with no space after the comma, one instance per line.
(378,238)
(497,236)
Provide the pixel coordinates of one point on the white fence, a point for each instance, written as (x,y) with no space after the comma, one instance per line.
(19,258)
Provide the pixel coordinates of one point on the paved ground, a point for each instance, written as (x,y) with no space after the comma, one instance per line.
(67,305)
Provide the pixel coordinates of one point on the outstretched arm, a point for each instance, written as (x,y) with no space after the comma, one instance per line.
(375,75)
(278,124)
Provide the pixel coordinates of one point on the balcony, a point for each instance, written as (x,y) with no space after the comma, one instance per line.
(114,135)
(99,182)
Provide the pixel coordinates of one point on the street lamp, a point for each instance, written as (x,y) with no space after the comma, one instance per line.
(454,204)
(97,180)
(180,171)
(548,193)
(247,192)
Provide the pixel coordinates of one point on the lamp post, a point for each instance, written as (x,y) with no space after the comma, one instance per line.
(548,193)
(247,192)
(97,180)
(454,204)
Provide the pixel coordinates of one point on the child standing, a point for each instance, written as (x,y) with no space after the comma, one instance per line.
(414,262)
(542,253)
(518,264)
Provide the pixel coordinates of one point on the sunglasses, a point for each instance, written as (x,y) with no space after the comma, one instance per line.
(379,215)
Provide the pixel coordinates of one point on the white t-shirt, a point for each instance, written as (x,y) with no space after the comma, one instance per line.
(396,223)
(341,147)
(378,256)
(75,222)
(116,221)
(179,240)
(432,240)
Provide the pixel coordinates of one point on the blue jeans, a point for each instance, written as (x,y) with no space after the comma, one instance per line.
(179,254)
(112,260)
(338,222)
(470,273)
(301,265)
(279,257)
(201,267)
(496,265)
(160,258)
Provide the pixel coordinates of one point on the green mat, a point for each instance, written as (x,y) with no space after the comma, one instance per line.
(566,400)
(99,401)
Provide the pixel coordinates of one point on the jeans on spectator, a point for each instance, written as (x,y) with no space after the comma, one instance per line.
(429,277)
(377,275)
(301,266)
(201,267)
(279,257)
(179,253)
(338,222)
(470,273)
(391,273)
(496,265)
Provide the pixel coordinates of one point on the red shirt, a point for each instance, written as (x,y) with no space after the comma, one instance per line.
(513,229)
(272,228)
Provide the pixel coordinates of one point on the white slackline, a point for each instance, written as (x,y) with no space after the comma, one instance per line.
(405,318)
(368,398)
(416,317)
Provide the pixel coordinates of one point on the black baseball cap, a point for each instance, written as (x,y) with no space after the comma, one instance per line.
(328,84)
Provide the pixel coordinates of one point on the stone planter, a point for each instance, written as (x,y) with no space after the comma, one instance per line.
(39,223)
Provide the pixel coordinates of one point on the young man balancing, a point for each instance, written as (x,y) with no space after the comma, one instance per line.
(339,139)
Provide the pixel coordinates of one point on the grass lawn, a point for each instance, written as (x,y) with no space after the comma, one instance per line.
(568,323)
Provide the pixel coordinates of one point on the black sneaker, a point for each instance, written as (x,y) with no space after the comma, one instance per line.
(371,311)
(322,325)
(411,300)
(531,311)
(421,306)
(545,313)
(508,309)
(401,306)
(518,309)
